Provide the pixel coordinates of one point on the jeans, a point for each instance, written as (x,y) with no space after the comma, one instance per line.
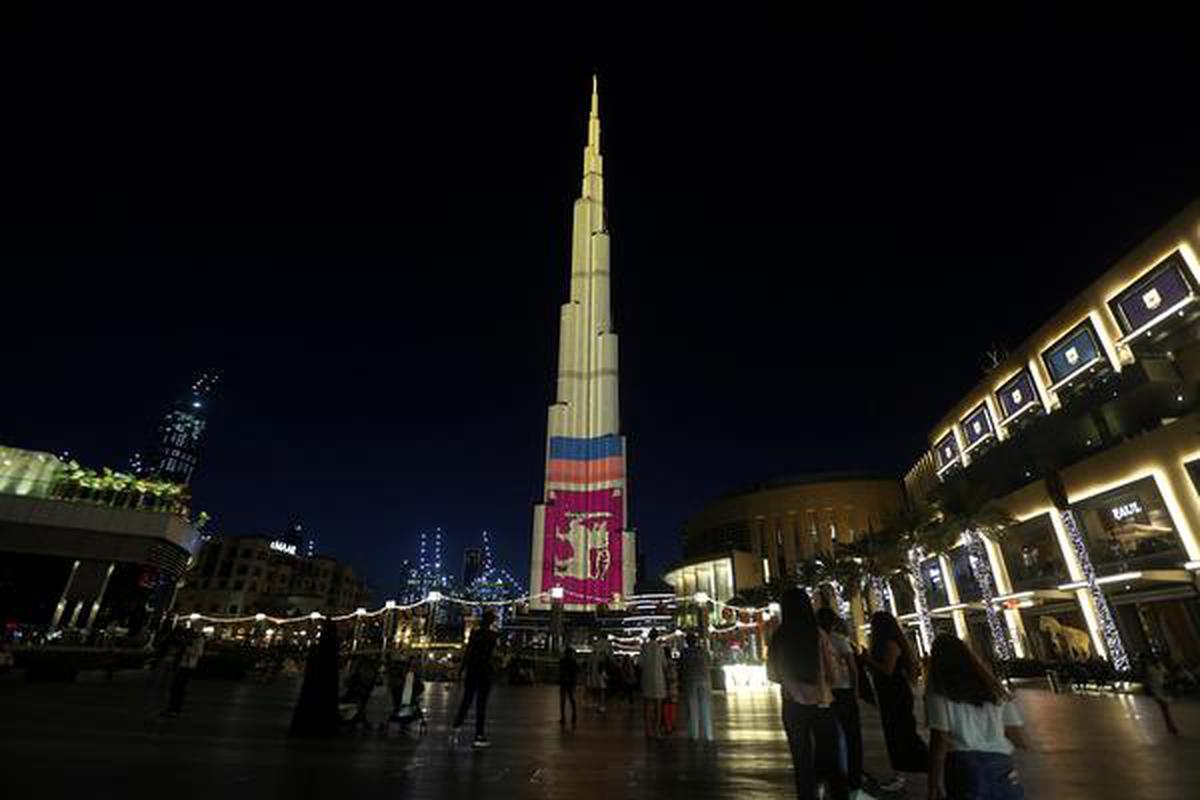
(566,694)
(845,706)
(477,689)
(812,733)
(699,710)
(179,684)
(976,775)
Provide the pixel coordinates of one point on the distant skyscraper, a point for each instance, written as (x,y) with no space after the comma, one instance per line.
(472,564)
(179,434)
(581,539)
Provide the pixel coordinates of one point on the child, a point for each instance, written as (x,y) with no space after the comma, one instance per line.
(973,727)
(568,679)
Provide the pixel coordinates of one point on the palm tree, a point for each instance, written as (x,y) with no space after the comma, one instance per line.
(963,509)
(907,538)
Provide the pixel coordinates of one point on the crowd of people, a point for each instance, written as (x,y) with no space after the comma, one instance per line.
(972,723)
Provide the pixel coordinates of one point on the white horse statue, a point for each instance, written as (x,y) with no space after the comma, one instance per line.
(1070,643)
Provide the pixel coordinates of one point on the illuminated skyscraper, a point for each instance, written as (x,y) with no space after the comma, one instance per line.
(179,433)
(472,564)
(581,539)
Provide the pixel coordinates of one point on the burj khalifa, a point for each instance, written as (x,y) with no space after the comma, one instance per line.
(583,547)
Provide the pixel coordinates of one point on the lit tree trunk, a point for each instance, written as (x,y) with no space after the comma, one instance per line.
(981,568)
(1104,615)
(919,597)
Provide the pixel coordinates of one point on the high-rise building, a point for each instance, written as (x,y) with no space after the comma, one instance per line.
(582,542)
(179,433)
(472,564)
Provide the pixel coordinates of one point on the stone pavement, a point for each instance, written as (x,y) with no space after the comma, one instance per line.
(100,740)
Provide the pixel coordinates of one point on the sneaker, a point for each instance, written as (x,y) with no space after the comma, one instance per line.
(894,785)
(861,794)
(481,742)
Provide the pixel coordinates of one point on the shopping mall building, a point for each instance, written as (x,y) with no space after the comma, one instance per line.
(1088,436)
(741,540)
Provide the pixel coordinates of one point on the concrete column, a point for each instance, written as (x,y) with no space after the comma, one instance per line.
(1179,495)
(73,621)
(62,601)
(91,620)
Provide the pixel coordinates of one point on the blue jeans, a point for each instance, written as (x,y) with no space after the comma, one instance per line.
(976,775)
(699,710)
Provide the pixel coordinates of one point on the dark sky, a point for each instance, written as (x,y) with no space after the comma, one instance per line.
(812,252)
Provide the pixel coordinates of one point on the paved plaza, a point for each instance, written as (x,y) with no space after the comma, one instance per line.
(97,739)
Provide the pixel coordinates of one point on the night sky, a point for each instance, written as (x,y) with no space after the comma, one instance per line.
(812,254)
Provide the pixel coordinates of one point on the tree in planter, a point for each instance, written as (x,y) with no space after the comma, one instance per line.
(961,508)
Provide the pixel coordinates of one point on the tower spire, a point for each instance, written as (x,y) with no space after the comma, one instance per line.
(593,163)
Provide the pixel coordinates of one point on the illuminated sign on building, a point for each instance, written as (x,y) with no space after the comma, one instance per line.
(283,547)
(947,451)
(1124,511)
(1072,354)
(977,426)
(1017,395)
(1165,289)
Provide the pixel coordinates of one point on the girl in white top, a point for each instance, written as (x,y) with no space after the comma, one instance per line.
(973,727)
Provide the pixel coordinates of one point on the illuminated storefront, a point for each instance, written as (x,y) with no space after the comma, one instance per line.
(1104,398)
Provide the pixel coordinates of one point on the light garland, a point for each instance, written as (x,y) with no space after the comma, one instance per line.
(980,567)
(1108,626)
(432,597)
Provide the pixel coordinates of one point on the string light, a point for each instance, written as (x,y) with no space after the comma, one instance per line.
(391,605)
(980,568)
(1104,615)
(924,618)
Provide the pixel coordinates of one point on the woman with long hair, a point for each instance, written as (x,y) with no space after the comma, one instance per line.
(973,727)
(895,667)
(802,661)
(845,699)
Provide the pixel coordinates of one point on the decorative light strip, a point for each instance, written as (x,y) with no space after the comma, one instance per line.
(1000,598)
(949,608)
(1054,387)
(1020,412)
(949,464)
(1120,577)
(979,441)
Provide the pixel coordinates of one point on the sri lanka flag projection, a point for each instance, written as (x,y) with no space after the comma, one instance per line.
(581,541)
(585,518)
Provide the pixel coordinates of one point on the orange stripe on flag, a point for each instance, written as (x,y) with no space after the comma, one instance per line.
(602,469)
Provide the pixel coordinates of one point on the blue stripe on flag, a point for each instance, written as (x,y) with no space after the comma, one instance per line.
(585,449)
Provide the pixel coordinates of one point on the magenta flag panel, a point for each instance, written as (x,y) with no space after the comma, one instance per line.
(583,544)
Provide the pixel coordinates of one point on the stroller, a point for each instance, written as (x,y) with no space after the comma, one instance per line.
(406,687)
(352,706)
